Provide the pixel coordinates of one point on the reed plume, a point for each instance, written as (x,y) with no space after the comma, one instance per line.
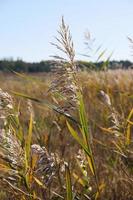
(64,85)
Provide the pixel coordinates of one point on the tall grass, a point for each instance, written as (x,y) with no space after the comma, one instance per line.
(73,139)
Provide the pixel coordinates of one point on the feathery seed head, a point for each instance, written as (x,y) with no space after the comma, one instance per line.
(45,166)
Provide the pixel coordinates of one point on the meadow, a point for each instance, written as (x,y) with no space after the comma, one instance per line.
(66,134)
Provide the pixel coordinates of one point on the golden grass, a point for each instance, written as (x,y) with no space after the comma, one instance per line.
(113,161)
(75,140)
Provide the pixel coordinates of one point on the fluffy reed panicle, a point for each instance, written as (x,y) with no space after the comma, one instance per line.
(10,147)
(65,43)
(114,116)
(6,107)
(30,107)
(64,84)
(6,101)
(105,98)
(45,165)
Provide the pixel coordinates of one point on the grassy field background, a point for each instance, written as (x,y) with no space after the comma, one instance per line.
(114,170)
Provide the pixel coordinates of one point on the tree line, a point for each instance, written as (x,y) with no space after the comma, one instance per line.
(49,65)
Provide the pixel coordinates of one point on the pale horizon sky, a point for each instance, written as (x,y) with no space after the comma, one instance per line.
(28,26)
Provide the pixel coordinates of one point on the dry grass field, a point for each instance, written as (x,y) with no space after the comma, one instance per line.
(110,137)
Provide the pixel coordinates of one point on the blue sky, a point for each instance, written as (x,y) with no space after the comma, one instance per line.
(27,26)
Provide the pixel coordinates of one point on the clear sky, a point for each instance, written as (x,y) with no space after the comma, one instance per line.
(27,26)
